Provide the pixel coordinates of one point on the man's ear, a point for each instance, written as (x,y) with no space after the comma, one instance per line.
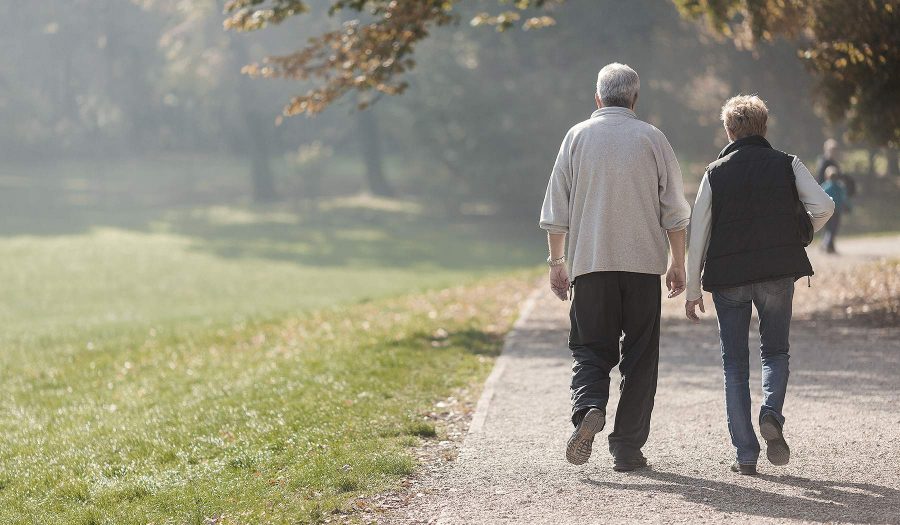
(598,101)
(633,104)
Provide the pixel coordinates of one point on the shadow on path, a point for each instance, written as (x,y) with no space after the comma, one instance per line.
(821,500)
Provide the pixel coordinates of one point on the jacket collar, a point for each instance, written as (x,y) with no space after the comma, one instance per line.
(752,140)
(613,110)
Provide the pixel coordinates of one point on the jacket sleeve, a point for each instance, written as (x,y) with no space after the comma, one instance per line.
(674,210)
(817,203)
(698,242)
(555,210)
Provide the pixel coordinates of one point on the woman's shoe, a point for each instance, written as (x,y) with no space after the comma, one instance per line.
(777,449)
(748,469)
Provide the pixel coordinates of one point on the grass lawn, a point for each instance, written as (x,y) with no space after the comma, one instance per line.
(223,365)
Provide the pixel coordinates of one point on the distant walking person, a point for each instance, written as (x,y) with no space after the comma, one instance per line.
(835,189)
(829,159)
(746,240)
(616,191)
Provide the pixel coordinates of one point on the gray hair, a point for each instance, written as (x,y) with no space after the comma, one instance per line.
(618,85)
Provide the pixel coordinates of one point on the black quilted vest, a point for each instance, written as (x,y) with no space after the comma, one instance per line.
(754,235)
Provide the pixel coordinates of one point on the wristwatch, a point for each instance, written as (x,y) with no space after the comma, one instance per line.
(556,262)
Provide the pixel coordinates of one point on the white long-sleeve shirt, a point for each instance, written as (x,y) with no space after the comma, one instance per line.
(817,203)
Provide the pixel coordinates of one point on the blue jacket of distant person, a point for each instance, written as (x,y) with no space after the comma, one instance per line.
(838,194)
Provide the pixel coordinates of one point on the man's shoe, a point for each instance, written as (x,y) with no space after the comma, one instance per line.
(578,450)
(629,464)
(745,470)
(777,449)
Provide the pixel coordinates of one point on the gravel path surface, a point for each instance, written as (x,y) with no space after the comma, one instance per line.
(843,426)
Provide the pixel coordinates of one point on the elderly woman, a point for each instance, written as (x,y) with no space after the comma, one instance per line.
(745,239)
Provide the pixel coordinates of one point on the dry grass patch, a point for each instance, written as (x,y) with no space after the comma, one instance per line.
(866,294)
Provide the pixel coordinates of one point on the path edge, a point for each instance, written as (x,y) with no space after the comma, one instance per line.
(490,384)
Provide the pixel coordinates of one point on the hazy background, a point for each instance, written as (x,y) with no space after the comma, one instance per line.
(113,112)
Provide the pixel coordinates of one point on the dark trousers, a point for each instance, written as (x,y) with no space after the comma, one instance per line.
(831,231)
(606,305)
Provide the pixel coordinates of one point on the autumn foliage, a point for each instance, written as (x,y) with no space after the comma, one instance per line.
(363,56)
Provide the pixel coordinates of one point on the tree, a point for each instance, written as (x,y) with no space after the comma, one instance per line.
(72,82)
(852,47)
(485,111)
(201,60)
(366,57)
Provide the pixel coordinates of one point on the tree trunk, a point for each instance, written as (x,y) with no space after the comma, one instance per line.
(260,170)
(370,144)
(258,130)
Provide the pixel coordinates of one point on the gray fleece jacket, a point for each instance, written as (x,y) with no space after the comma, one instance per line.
(616,189)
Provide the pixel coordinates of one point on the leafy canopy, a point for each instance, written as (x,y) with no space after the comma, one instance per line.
(853,47)
(362,56)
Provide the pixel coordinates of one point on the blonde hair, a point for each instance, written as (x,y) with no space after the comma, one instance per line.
(745,115)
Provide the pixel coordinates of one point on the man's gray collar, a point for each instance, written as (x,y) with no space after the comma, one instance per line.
(614,110)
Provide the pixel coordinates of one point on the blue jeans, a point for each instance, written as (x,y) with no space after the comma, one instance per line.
(773,304)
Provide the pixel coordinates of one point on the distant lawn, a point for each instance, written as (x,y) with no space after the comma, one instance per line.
(205,266)
(240,364)
(875,207)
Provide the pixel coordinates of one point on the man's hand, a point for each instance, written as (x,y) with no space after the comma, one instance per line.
(559,281)
(690,312)
(675,280)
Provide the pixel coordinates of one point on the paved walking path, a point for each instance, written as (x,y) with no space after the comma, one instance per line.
(843,425)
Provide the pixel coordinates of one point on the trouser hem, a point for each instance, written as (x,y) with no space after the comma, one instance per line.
(580,410)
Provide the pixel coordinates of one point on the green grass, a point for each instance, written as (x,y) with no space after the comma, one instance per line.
(244,365)
(274,422)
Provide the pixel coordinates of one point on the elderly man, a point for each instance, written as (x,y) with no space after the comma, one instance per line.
(616,192)
(747,239)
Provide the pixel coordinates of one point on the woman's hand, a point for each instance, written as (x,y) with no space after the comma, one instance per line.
(690,312)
